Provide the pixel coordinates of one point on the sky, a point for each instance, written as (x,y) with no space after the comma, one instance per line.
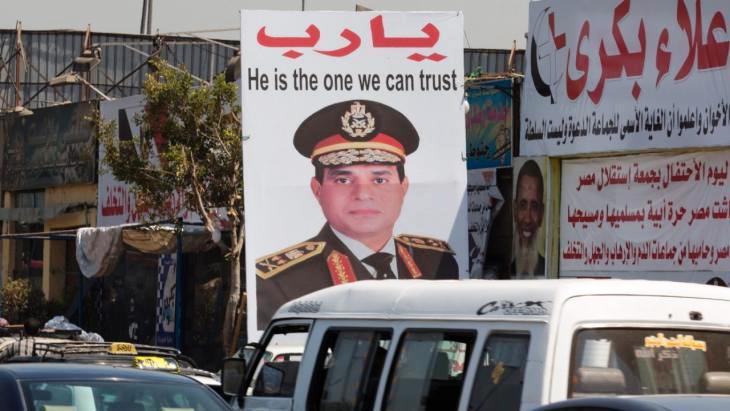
(487,23)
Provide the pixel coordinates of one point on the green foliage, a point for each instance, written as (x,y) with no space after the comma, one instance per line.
(197,132)
(15,294)
(196,129)
(475,73)
(19,300)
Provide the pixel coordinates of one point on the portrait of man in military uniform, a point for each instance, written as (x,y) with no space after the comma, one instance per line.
(358,149)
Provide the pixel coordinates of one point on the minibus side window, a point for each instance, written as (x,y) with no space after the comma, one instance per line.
(277,367)
(428,371)
(500,376)
(348,369)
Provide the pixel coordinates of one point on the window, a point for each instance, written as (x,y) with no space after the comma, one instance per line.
(122,395)
(428,371)
(29,256)
(638,361)
(500,376)
(348,369)
(277,367)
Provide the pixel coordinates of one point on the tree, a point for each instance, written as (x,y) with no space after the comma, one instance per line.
(196,129)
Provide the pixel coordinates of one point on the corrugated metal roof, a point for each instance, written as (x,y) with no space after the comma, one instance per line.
(492,61)
(48,53)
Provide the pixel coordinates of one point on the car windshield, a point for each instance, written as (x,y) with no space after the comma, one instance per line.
(118,396)
(638,361)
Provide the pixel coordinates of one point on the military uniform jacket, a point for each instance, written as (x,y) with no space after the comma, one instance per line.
(324,260)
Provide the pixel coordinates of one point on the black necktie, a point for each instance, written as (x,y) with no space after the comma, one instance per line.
(381,263)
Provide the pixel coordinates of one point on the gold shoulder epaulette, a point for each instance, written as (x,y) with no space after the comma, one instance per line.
(424,242)
(272,264)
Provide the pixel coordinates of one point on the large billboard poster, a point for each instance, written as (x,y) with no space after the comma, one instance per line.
(621,75)
(646,213)
(353,151)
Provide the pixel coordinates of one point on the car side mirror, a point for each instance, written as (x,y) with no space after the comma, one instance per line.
(234,369)
(277,379)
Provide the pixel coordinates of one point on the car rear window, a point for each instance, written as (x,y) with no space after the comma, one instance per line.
(637,361)
(118,396)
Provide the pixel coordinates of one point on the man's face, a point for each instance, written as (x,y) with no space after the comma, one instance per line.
(361,201)
(528,216)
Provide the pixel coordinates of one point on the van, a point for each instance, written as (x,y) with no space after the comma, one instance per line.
(488,345)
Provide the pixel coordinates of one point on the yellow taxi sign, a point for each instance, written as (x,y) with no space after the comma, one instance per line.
(155,363)
(122,348)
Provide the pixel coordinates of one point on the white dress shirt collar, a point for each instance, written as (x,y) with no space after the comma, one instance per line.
(362,251)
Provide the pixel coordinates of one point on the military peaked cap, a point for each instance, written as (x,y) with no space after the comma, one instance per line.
(356,132)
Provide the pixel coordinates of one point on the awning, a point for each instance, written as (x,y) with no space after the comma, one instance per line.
(98,249)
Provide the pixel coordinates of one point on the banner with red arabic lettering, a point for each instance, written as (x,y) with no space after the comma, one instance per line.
(625,75)
(646,213)
(354,137)
(117,203)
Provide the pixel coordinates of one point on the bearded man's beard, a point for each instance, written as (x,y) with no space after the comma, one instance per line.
(526,257)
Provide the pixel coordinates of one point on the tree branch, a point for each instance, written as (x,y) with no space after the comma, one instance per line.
(200,206)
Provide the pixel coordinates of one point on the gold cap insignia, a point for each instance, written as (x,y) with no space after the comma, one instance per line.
(355,156)
(357,122)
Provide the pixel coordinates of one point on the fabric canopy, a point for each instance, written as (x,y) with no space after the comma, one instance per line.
(98,248)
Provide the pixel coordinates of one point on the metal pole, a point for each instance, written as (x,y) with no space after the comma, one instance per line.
(178,286)
(144,17)
(18,56)
(149,16)
(81,300)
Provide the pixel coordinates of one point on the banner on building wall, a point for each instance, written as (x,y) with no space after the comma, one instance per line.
(625,75)
(484,202)
(646,213)
(529,211)
(117,203)
(51,148)
(489,124)
(353,128)
(166,287)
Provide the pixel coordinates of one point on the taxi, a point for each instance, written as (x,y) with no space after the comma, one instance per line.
(72,387)
(121,354)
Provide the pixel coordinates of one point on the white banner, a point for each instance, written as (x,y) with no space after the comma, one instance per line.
(356,96)
(646,213)
(625,75)
(117,203)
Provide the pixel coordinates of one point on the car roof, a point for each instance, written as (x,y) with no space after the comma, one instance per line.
(75,372)
(689,402)
(666,402)
(469,299)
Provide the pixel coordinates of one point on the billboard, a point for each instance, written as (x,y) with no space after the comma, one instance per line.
(51,148)
(353,147)
(489,125)
(606,76)
(646,213)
